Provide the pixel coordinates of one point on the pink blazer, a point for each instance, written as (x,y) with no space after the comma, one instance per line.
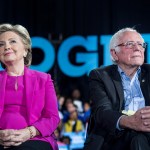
(41,102)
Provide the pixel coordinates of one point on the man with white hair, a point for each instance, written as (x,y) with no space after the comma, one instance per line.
(120,95)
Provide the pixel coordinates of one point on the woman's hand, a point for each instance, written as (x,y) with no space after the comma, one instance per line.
(21,136)
(25,134)
(10,137)
(6,137)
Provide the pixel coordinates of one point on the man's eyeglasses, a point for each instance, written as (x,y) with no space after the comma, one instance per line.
(131,44)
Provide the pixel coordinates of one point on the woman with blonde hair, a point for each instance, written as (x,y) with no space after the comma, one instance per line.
(28,104)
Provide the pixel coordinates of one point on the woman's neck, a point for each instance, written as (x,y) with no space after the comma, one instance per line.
(15,70)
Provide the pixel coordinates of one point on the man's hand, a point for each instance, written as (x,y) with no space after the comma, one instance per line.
(140,121)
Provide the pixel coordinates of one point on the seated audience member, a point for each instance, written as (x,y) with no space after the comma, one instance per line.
(76,97)
(73,124)
(87,112)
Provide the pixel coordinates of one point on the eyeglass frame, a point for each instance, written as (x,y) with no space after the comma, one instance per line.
(143,45)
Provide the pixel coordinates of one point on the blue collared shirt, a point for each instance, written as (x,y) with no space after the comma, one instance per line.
(133,96)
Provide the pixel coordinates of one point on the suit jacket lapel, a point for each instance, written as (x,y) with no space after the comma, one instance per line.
(118,85)
(30,82)
(144,82)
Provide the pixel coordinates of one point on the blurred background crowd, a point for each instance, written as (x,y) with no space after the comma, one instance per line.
(74,114)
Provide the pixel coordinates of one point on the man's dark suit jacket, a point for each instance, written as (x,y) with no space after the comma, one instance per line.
(106,94)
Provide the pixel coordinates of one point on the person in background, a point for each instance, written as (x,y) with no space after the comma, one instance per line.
(76,97)
(120,97)
(73,124)
(87,112)
(66,140)
(28,103)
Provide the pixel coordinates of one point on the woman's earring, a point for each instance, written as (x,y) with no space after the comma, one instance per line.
(24,55)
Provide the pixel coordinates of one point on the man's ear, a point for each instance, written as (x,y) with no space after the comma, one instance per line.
(114,54)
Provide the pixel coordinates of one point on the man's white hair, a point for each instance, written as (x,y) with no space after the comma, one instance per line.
(116,38)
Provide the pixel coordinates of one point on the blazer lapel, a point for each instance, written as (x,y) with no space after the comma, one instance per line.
(118,85)
(30,82)
(144,82)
